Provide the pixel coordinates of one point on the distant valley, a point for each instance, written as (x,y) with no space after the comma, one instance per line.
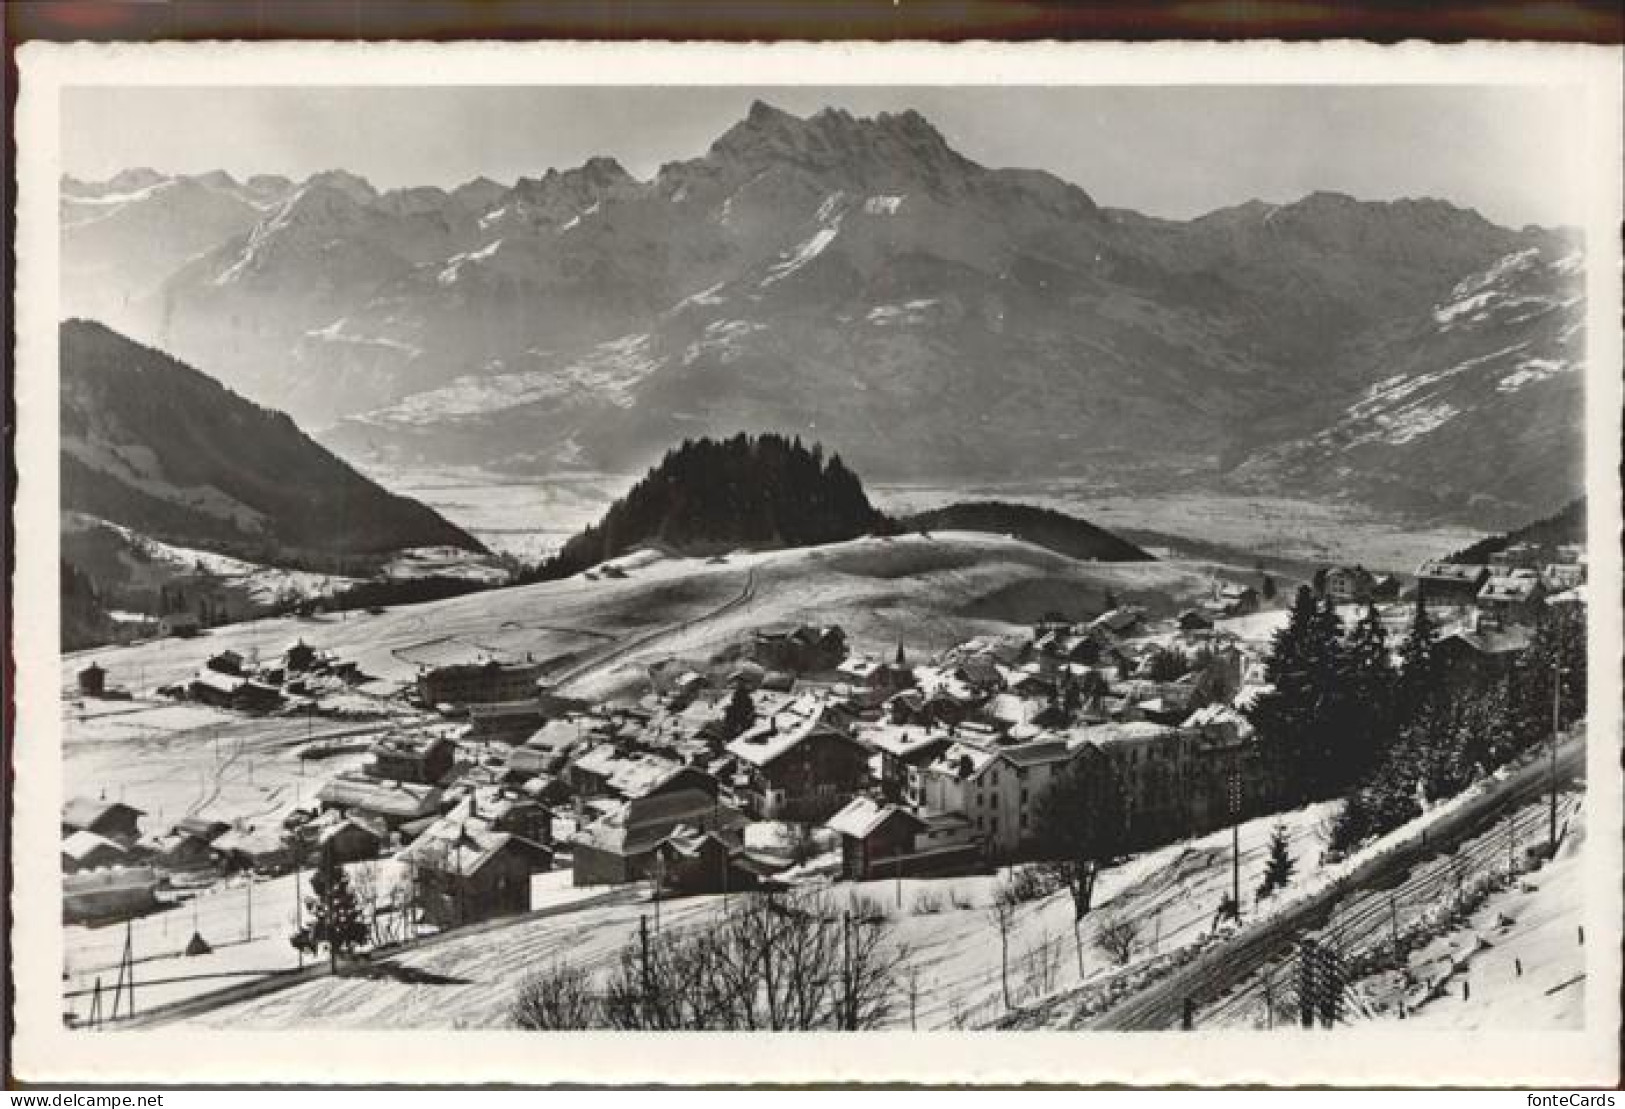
(860,282)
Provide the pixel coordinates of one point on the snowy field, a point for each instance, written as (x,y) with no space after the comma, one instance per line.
(954,952)
(1269,527)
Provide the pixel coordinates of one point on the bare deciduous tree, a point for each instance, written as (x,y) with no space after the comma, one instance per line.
(557,999)
(1117,935)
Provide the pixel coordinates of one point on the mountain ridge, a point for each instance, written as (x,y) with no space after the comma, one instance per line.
(855,276)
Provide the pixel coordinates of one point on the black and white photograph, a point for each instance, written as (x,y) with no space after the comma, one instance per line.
(1108,550)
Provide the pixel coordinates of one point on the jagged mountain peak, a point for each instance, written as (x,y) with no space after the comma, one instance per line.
(358,189)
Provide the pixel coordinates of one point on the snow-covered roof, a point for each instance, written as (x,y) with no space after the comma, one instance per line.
(81,845)
(863,815)
(902,741)
(770,738)
(87,812)
(404,800)
(962,760)
(1125,731)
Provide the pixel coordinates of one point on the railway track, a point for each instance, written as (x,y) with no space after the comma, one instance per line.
(1207,979)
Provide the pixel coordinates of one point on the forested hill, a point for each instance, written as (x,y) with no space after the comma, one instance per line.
(1566,525)
(708,495)
(1042,527)
(153,444)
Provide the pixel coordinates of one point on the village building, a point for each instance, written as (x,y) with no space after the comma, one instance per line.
(395,805)
(89,851)
(1468,656)
(623,845)
(226,662)
(461,684)
(880,840)
(210,687)
(109,894)
(113,820)
(802,649)
(424,758)
(1148,766)
(350,839)
(181,625)
(1517,556)
(905,751)
(1450,584)
(1120,623)
(264,850)
(693,860)
(504,721)
(92,680)
(1560,577)
(1385,589)
(463,873)
(797,765)
(1194,620)
(1346,585)
(1513,599)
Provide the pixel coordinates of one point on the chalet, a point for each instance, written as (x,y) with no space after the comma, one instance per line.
(462,684)
(1149,766)
(464,872)
(201,828)
(1194,620)
(692,860)
(350,839)
(210,687)
(89,851)
(1447,584)
(1517,556)
(905,751)
(800,649)
(980,673)
(113,820)
(299,655)
(1561,576)
(504,721)
(797,765)
(1236,600)
(872,835)
(1121,622)
(226,662)
(1385,589)
(180,851)
(622,846)
(109,894)
(607,769)
(93,680)
(179,625)
(426,759)
(265,850)
(1513,599)
(394,804)
(1350,584)
(1483,652)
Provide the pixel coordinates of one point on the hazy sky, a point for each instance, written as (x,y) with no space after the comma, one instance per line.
(1167,151)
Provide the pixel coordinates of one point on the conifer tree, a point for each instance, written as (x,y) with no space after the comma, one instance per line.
(335,919)
(1418,664)
(1371,682)
(739,714)
(1279,865)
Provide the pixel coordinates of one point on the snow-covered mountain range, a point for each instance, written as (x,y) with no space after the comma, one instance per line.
(859,281)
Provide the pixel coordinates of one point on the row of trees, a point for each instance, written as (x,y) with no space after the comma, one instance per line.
(771,962)
(1337,700)
(1463,727)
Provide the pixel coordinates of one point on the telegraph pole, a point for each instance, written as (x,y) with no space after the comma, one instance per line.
(1557,694)
(1235,837)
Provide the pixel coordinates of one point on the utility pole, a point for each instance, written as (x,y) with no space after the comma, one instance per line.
(1235,837)
(643,946)
(250,922)
(1557,694)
